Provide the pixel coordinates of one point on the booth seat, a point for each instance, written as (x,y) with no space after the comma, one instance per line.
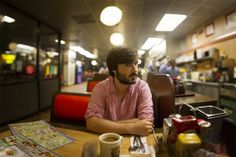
(69,108)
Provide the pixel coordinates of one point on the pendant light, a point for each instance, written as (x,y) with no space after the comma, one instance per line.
(111,15)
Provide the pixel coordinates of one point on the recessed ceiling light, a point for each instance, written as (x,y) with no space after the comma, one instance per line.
(170,21)
(117,39)
(150,42)
(62,41)
(111,15)
(94,62)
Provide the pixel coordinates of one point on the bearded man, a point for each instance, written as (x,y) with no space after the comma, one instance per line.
(123,102)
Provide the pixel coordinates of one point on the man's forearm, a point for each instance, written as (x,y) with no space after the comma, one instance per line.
(101,125)
(128,121)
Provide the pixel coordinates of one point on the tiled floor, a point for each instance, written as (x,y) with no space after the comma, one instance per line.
(45,115)
(82,87)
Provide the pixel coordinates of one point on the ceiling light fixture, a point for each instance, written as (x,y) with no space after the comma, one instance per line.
(94,62)
(150,42)
(111,15)
(83,52)
(139,61)
(170,21)
(141,52)
(62,41)
(6,19)
(116,39)
(25,48)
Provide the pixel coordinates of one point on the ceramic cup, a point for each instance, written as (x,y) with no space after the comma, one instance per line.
(110,144)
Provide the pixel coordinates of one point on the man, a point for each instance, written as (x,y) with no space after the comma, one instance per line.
(172,70)
(122,103)
(164,65)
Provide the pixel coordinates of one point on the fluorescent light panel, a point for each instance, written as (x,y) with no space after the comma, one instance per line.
(81,51)
(170,21)
(7,19)
(141,52)
(150,42)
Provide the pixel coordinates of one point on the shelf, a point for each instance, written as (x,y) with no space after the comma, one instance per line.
(196,61)
(204,59)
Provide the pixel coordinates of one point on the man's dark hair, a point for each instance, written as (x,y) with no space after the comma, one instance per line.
(120,55)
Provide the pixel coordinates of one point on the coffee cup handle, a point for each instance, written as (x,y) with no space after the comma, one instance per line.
(121,137)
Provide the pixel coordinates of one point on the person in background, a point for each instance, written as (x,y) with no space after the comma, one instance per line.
(172,70)
(103,69)
(122,103)
(164,65)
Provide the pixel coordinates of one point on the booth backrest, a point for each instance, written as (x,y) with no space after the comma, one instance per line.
(91,84)
(97,78)
(162,89)
(70,108)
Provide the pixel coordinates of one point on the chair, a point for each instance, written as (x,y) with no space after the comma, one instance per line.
(69,108)
(162,89)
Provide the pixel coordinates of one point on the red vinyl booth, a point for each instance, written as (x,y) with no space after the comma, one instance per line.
(97,78)
(91,84)
(70,108)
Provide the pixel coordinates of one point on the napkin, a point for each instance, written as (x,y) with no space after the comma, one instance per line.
(139,151)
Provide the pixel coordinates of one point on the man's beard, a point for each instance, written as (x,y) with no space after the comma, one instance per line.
(125,80)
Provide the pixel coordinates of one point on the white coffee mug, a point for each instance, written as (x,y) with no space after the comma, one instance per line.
(110,144)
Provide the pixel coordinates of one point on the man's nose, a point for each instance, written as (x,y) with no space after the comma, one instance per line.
(135,68)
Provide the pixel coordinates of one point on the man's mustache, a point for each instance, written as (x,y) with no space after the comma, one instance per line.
(134,74)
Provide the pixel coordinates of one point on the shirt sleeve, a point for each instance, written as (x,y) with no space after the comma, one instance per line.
(145,104)
(96,103)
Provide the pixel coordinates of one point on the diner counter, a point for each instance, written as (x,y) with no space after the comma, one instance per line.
(211,83)
(195,100)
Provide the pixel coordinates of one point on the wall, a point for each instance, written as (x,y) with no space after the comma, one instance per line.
(172,48)
(18,100)
(218,40)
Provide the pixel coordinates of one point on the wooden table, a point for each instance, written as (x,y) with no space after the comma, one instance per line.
(75,148)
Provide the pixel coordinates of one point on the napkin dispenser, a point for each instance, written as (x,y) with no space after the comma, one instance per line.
(167,127)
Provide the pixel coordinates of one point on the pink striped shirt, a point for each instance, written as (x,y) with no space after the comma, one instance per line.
(105,101)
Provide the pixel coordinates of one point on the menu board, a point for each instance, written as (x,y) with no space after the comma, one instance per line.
(41,133)
(20,146)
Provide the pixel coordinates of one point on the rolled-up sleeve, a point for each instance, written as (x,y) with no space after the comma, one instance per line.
(96,103)
(145,104)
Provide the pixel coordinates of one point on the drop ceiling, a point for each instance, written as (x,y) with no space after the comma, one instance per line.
(78,20)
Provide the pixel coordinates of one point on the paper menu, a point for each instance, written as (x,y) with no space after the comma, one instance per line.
(13,151)
(41,133)
(21,143)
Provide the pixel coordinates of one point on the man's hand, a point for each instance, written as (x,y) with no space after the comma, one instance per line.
(142,127)
(130,126)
